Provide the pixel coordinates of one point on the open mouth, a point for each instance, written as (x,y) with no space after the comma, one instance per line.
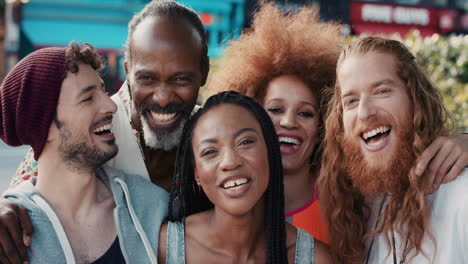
(105,129)
(289,144)
(235,183)
(376,136)
(289,141)
(162,120)
(163,117)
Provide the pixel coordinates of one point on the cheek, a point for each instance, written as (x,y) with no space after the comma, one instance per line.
(205,172)
(263,167)
(188,94)
(276,120)
(347,122)
(312,130)
(138,94)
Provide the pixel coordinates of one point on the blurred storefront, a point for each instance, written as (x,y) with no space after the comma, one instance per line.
(428,16)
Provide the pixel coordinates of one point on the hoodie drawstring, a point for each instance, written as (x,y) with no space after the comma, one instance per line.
(137,223)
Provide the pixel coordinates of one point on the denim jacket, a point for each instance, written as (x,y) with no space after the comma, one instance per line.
(140,209)
(175,249)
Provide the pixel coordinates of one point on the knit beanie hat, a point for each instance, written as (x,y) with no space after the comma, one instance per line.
(28,98)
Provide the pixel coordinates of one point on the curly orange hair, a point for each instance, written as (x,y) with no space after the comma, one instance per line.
(344,207)
(279,43)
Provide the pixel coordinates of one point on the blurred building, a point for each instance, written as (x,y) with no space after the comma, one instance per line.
(428,16)
(34,24)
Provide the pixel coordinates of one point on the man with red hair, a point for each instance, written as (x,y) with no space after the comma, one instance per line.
(383,114)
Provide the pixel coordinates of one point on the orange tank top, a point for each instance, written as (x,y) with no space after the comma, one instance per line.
(310,218)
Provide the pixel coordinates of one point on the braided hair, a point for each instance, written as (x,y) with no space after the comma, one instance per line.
(187,199)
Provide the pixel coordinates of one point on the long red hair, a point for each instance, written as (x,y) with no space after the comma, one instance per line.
(344,207)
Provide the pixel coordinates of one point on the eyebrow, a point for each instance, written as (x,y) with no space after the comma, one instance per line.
(90,88)
(238,133)
(87,90)
(184,73)
(384,81)
(303,102)
(144,71)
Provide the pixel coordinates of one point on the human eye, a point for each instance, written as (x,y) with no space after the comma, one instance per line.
(208,152)
(307,114)
(350,102)
(145,77)
(383,91)
(275,110)
(87,99)
(247,141)
(182,80)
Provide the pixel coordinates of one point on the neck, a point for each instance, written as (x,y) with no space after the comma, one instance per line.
(69,191)
(298,187)
(160,165)
(246,233)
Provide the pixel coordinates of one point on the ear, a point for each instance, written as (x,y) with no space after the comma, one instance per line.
(126,66)
(54,132)
(197,179)
(205,68)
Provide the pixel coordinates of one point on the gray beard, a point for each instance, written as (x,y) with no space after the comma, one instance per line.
(164,140)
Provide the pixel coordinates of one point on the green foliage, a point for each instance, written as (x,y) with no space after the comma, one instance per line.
(445,59)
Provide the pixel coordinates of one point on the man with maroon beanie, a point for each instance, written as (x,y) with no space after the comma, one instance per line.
(82,212)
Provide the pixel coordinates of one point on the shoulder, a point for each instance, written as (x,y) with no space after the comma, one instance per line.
(306,248)
(450,201)
(135,183)
(321,253)
(455,190)
(291,242)
(195,228)
(22,195)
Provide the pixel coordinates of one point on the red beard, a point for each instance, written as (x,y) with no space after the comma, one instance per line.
(370,180)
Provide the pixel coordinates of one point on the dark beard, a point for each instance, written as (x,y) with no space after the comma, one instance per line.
(81,156)
(370,180)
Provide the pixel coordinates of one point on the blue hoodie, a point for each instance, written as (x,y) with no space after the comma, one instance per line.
(140,209)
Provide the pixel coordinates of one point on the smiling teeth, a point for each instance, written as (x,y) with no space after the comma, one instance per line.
(163,117)
(376,131)
(234,183)
(289,140)
(103,128)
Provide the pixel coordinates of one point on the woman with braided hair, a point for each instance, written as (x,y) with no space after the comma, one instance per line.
(226,203)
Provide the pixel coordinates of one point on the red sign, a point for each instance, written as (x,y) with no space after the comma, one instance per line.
(207,19)
(387,18)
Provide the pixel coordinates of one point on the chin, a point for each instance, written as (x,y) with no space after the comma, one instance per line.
(289,164)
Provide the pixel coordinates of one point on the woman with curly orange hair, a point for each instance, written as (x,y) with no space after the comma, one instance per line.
(285,61)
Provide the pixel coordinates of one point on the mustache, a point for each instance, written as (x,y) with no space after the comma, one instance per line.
(101,120)
(377,121)
(170,108)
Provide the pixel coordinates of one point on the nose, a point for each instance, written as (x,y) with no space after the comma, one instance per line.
(109,107)
(366,109)
(288,120)
(163,95)
(231,160)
